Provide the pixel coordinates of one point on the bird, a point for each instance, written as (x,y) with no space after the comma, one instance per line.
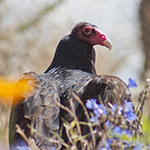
(71,73)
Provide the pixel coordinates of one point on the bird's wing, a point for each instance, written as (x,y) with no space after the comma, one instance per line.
(40,110)
(103,88)
(116,90)
(108,88)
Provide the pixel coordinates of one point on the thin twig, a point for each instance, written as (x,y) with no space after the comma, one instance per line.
(66,109)
(142,98)
(87,116)
(19,130)
(51,140)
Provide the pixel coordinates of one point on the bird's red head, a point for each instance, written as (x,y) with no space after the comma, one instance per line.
(91,34)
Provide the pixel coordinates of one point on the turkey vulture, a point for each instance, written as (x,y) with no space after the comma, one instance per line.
(72,71)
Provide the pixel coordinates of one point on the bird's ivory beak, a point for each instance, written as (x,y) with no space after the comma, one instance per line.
(107,43)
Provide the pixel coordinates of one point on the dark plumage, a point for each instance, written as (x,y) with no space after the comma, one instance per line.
(71,71)
(69,52)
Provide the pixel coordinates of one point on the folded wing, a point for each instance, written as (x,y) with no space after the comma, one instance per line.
(39,110)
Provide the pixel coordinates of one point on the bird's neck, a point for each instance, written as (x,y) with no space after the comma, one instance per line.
(72,53)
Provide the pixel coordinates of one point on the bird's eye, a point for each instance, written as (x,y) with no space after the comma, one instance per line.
(87,30)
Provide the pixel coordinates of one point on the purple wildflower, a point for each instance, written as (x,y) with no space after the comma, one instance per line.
(109,124)
(94,118)
(118,108)
(23,148)
(138,146)
(107,146)
(91,104)
(53,148)
(98,109)
(117,130)
(128,111)
(128,133)
(108,143)
(132,83)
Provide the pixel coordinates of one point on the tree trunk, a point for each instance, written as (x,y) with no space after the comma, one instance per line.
(145,27)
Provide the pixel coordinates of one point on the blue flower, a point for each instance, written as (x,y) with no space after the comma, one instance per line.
(90,104)
(138,146)
(117,130)
(132,83)
(109,124)
(108,143)
(98,109)
(23,148)
(94,118)
(53,148)
(128,106)
(128,133)
(128,111)
(97,112)
(118,108)
(104,109)
(107,146)
(130,116)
